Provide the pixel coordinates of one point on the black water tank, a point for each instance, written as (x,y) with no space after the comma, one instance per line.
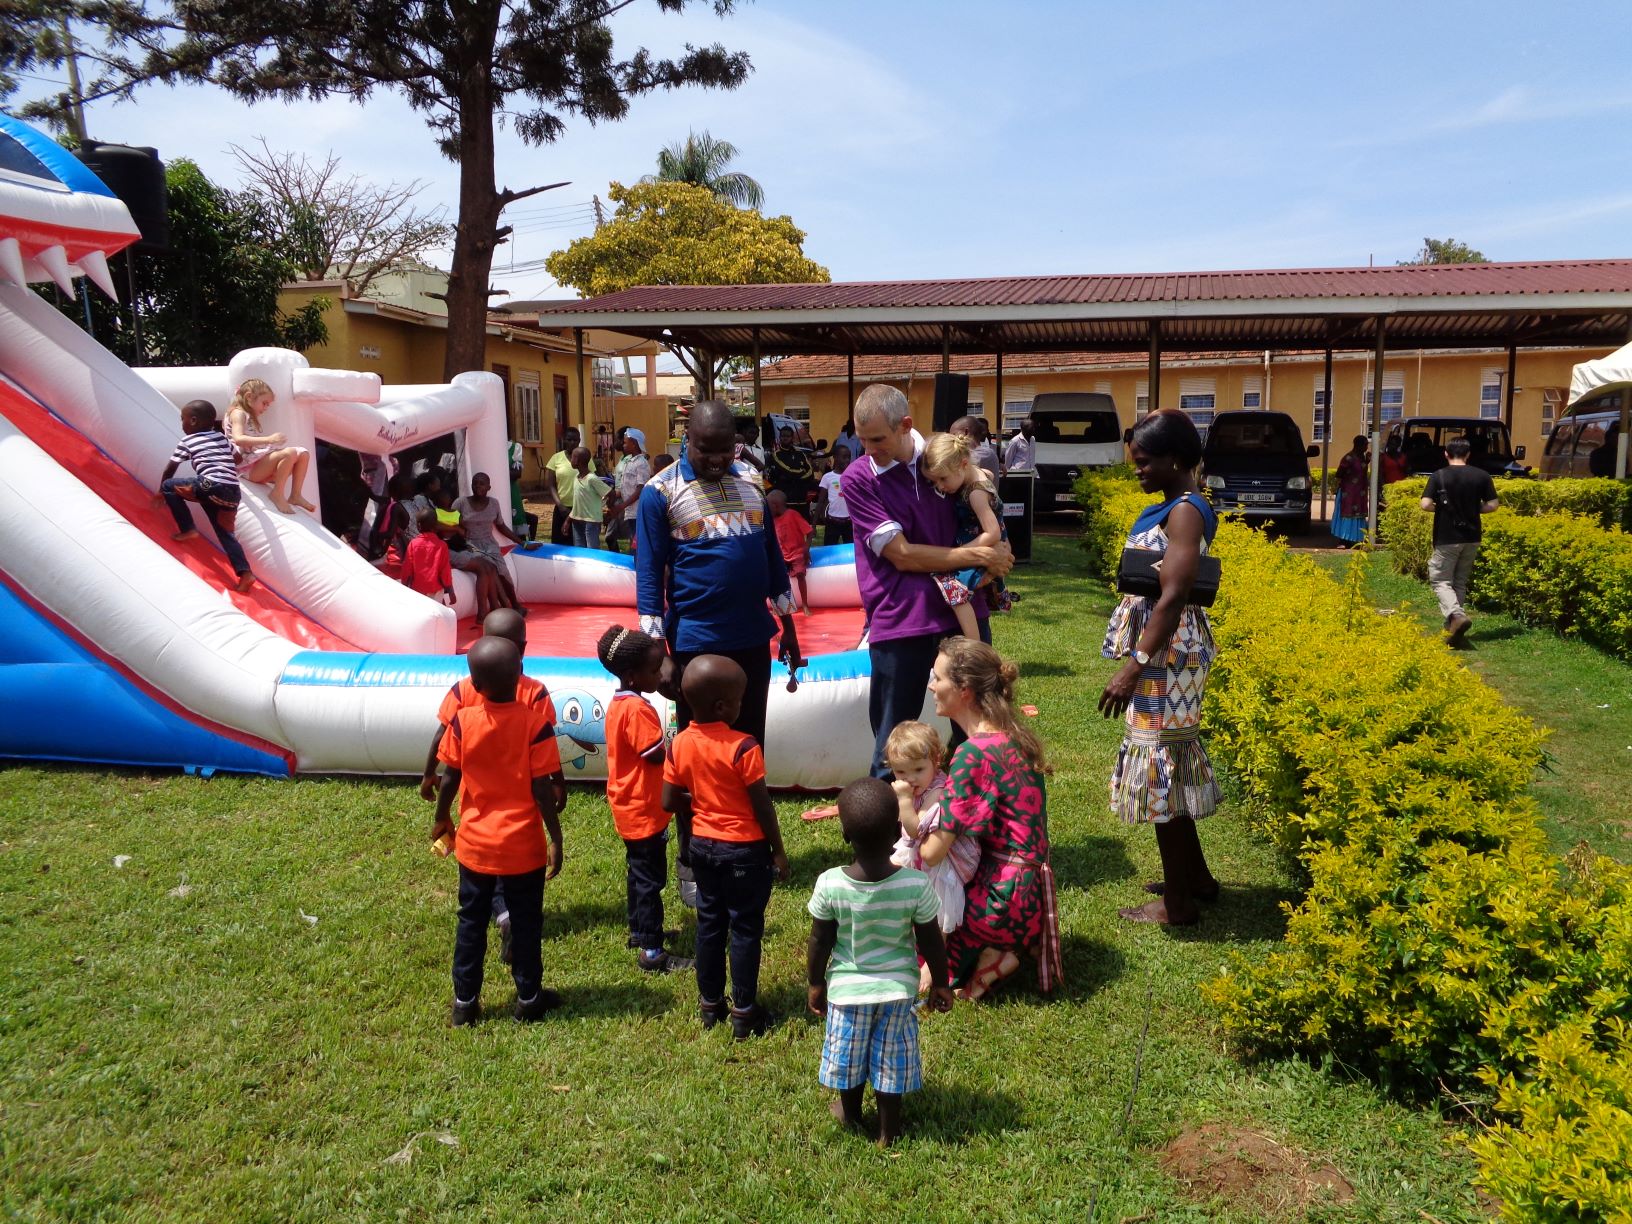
(136,176)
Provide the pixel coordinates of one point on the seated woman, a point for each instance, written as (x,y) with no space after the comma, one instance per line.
(479,519)
(996,795)
(489,595)
(263,457)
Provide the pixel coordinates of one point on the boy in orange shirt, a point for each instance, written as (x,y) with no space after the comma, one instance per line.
(634,784)
(509,624)
(716,777)
(501,757)
(793,534)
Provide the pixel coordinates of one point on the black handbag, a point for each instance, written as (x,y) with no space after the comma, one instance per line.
(1139,573)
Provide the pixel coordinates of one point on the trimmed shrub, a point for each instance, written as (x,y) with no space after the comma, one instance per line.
(1438,945)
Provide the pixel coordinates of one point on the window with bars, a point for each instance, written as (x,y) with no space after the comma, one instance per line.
(1016,405)
(796,404)
(1320,410)
(1252,392)
(1141,400)
(529,409)
(1490,394)
(1393,398)
(1198,397)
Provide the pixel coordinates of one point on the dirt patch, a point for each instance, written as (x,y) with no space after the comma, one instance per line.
(1247,1168)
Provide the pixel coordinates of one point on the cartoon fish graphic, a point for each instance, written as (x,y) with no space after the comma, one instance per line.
(580,726)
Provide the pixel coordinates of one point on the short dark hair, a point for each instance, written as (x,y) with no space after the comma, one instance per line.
(622,650)
(1459,448)
(1168,432)
(868,813)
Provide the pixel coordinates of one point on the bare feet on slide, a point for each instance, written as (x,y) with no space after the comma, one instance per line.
(181,536)
(282,506)
(303,504)
(245,581)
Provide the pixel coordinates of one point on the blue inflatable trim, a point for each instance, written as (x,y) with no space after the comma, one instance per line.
(590,556)
(68,169)
(83,710)
(832,554)
(344,669)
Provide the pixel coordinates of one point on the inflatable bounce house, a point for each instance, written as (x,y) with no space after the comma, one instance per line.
(121,646)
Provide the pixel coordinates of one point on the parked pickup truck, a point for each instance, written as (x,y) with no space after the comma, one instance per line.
(1074,432)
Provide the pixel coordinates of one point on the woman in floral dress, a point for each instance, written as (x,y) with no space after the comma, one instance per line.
(1162,774)
(995,795)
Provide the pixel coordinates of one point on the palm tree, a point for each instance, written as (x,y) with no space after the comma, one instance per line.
(701,161)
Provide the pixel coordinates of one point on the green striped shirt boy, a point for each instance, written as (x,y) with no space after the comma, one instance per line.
(874,958)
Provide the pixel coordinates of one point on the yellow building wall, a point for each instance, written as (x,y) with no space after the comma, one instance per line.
(1435,384)
(411,352)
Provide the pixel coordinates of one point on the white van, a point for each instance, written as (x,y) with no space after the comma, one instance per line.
(1074,431)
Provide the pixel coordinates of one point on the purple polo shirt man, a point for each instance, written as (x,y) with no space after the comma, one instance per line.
(904,530)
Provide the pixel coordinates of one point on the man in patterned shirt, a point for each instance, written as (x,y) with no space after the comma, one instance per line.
(708,561)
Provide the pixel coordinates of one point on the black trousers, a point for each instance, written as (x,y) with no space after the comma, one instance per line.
(560,533)
(648,869)
(756,665)
(733,888)
(525,893)
(838,531)
(901,670)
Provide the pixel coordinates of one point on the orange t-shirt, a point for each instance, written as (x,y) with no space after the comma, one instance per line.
(499,748)
(529,692)
(718,765)
(634,783)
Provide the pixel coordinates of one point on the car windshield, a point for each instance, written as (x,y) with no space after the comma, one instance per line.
(1257,435)
(1078,427)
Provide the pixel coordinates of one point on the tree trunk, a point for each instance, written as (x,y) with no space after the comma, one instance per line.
(475,236)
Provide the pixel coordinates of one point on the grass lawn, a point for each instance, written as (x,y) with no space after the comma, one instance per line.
(1580,694)
(181,1042)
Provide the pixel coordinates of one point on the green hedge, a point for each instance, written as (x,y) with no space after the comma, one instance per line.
(1439,945)
(1408,530)
(1546,558)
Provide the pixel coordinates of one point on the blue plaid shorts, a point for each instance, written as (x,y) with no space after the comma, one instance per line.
(873,1043)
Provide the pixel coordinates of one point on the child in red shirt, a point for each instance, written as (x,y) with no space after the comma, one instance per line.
(634,784)
(426,567)
(715,777)
(502,760)
(793,534)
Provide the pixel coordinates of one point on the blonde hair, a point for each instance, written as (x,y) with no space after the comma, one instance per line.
(914,741)
(973,665)
(948,454)
(250,390)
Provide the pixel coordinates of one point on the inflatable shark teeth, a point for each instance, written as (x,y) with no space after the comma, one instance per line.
(11,261)
(94,264)
(55,262)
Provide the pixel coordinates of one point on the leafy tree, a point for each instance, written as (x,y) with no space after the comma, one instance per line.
(678,234)
(1445,251)
(214,293)
(702,161)
(465,65)
(332,224)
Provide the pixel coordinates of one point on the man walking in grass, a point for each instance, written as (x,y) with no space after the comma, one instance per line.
(1458,495)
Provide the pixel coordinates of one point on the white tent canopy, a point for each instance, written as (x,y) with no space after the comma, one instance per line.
(1612,371)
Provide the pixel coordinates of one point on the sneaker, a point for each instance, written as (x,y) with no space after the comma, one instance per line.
(712,1013)
(1457,626)
(506,944)
(465,1013)
(664,962)
(536,1007)
(749,1022)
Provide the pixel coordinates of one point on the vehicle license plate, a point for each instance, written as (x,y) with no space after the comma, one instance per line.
(1257,499)
(1066,497)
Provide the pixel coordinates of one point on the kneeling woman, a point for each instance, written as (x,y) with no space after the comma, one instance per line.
(1162,775)
(996,796)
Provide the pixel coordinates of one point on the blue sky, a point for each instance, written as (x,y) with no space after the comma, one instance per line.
(924,140)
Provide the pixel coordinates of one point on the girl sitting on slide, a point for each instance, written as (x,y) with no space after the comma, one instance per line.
(263,457)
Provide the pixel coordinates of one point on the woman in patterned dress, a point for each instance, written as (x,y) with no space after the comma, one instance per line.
(995,794)
(1162,775)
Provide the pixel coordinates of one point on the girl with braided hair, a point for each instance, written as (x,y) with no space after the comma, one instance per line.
(634,784)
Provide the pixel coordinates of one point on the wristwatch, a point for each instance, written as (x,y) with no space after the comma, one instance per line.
(1141,658)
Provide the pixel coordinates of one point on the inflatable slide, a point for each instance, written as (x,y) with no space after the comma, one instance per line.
(122,646)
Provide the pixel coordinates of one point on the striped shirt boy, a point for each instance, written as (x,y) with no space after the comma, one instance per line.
(874,957)
(212,457)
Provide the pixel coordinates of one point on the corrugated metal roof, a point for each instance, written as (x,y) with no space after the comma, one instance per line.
(1267,285)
